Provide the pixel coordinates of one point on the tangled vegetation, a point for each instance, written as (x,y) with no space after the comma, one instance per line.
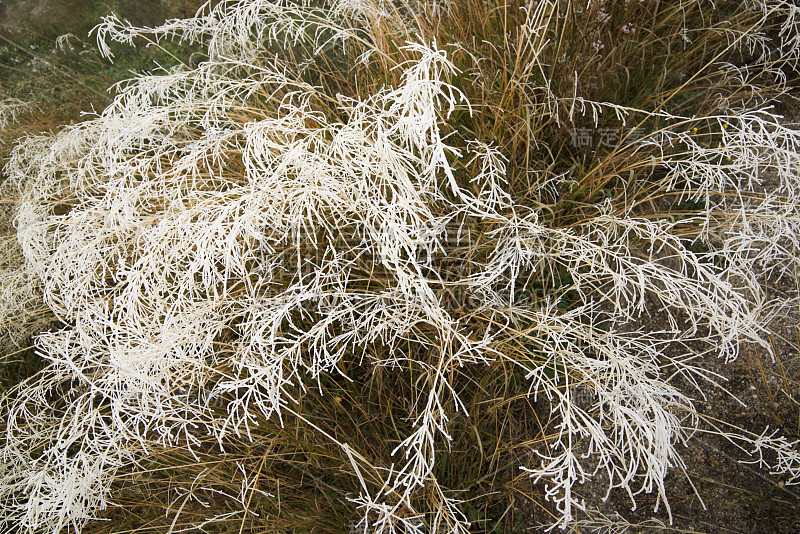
(383,264)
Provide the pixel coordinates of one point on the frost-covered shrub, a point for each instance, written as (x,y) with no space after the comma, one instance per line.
(364,186)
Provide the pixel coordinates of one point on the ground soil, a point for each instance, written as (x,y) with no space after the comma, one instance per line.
(721,490)
(717,493)
(51,18)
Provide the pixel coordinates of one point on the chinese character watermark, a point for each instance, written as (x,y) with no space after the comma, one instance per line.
(583,396)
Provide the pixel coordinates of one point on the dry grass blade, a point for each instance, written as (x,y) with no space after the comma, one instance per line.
(355,268)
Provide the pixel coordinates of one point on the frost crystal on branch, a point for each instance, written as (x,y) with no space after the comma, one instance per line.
(223,239)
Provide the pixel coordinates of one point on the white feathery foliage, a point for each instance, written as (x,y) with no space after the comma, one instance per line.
(780,52)
(748,185)
(186,214)
(20,296)
(10,108)
(750,142)
(787,453)
(600,523)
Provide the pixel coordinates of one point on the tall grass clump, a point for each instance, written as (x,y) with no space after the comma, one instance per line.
(46,83)
(358,266)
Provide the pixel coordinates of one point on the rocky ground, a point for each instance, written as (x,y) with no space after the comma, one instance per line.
(719,493)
